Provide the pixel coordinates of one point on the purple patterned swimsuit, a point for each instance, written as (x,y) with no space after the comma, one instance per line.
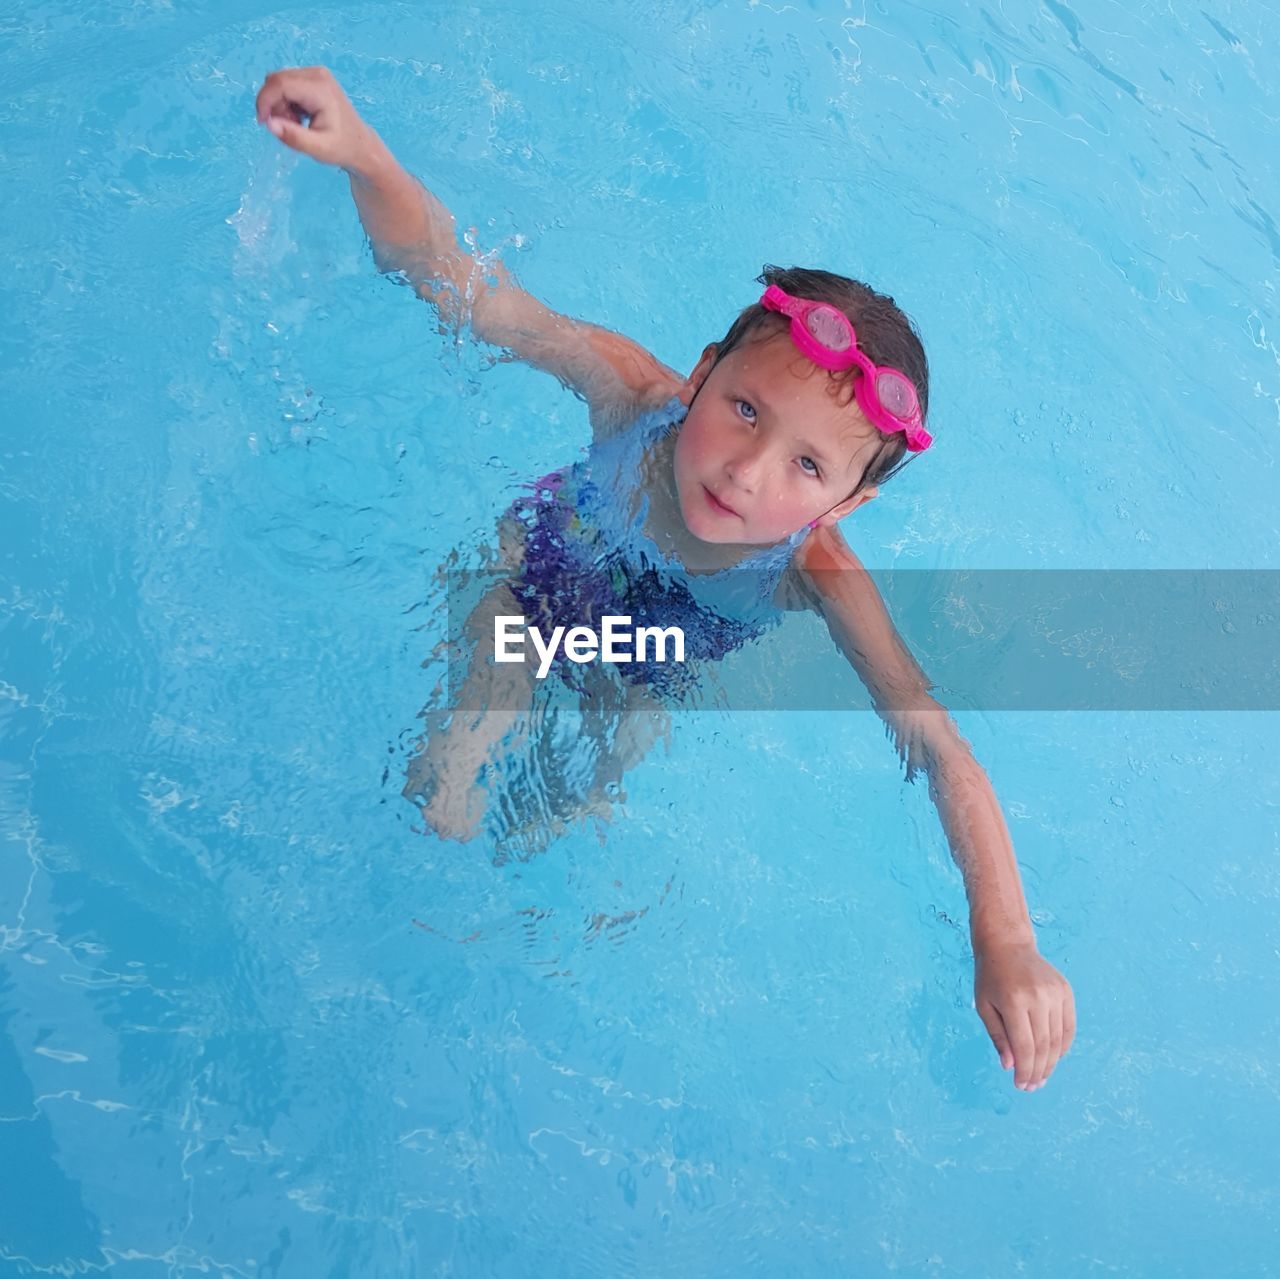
(586,555)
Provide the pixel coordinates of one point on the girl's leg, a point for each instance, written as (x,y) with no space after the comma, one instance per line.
(492,705)
(539,800)
(639,722)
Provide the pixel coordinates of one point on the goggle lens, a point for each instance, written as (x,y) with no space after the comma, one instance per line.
(896,394)
(829,327)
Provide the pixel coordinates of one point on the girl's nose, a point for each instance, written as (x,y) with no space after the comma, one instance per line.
(746,466)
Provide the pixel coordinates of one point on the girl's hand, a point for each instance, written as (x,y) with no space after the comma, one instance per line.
(1027,1007)
(337,135)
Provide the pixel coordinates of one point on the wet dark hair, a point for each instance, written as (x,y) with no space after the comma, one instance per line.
(885,333)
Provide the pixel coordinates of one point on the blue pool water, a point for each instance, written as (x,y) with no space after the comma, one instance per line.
(252,1020)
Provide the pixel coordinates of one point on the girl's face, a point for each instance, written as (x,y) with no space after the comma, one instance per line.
(768,445)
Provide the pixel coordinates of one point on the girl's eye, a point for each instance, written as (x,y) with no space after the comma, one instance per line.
(811,463)
(746,410)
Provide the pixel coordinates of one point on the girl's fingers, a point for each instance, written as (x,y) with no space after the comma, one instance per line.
(1023,1039)
(1040,1020)
(1068,1021)
(294,135)
(286,112)
(273,97)
(994,1023)
(283,91)
(1055,1038)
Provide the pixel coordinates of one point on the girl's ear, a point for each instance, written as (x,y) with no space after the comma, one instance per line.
(693,383)
(837,513)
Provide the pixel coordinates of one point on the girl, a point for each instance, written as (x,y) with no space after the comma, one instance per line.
(814,397)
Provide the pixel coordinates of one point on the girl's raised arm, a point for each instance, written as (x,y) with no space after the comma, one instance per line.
(412,231)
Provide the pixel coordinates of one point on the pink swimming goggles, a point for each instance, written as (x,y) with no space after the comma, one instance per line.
(823,333)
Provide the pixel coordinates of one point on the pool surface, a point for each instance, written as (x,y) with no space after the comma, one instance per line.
(253,1020)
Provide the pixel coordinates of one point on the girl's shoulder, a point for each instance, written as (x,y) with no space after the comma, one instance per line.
(615,417)
(795,592)
(627,451)
(822,551)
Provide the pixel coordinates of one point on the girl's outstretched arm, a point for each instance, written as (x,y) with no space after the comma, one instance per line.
(1026,1005)
(411,231)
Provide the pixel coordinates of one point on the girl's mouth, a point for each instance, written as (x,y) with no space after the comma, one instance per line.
(717,505)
